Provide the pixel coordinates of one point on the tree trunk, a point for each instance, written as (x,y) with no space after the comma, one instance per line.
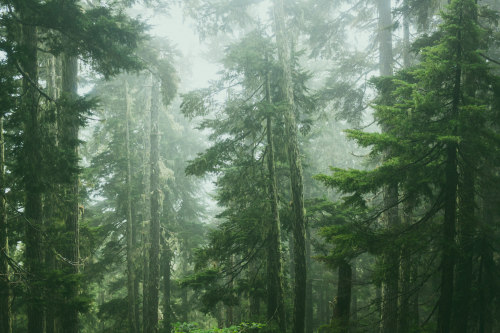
(391,254)
(309,296)
(51,201)
(354,300)
(342,306)
(448,256)
(69,142)
(405,279)
(275,299)
(450,206)
(131,297)
(406,264)
(295,170)
(32,175)
(253,298)
(5,293)
(466,227)
(166,262)
(486,261)
(156,201)
(146,202)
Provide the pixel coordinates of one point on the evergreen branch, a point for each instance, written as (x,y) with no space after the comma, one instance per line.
(32,83)
(489,59)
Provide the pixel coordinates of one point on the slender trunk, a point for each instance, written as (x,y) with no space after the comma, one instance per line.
(69,142)
(50,199)
(342,306)
(230,287)
(253,298)
(275,299)
(486,263)
(146,203)
(297,187)
(466,226)
(32,176)
(391,254)
(414,300)
(309,295)
(378,303)
(405,279)
(156,201)
(448,259)
(5,292)
(406,265)
(184,290)
(450,206)
(323,304)
(354,300)
(166,262)
(131,297)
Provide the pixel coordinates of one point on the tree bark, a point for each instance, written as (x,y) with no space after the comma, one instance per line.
(131,297)
(275,299)
(295,165)
(342,306)
(69,142)
(146,202)
(254,300)
(5,292)
(309,296)
(405,278)
(154,234)
(166,263)
(391,254)
(466,226)
(450,206)
(33,184)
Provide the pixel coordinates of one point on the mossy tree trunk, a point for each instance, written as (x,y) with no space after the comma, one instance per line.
(295,165)
(5,291)
(33,185)
(275,299)
(131,296)
(151,317)
(70,125)
(391,253)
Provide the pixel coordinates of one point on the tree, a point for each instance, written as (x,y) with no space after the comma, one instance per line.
(295,165)
(430,116)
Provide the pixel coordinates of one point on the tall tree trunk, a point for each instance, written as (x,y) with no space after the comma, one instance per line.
(309,289)
(406,265)
(253,297)
(450,207)
(275,299)
(131,297)
(486,261)
(414,300)
(69,142)
(342,307)
(5,292)
(391,254)
(32,175)
(146,201)
(466,228)
(166,259)
(405,278)
(295,170)
(156,201)
(50,201)
(184,290)
(354,300)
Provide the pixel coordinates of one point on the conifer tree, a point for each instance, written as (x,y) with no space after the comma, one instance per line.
(295,165)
